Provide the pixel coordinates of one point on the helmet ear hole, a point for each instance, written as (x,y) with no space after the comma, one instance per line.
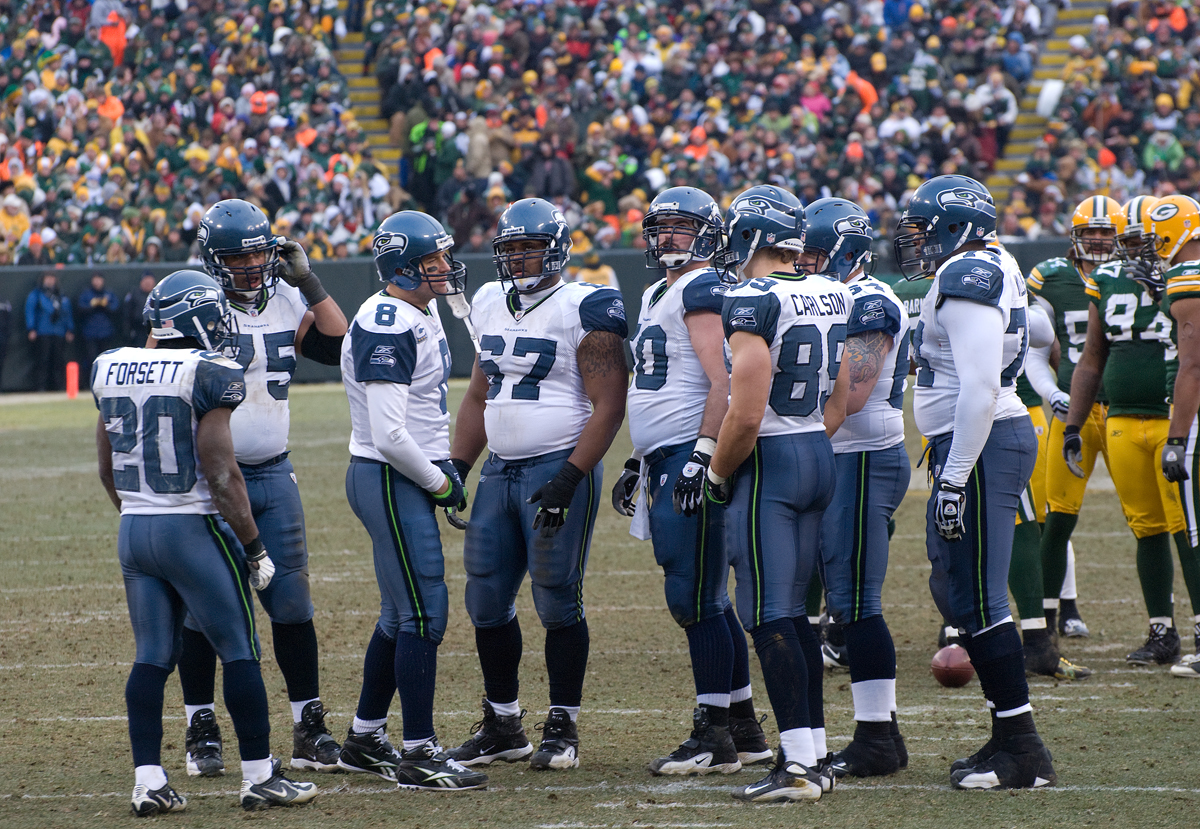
(746,235)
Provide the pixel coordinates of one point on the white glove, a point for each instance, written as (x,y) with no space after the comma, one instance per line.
(260,578)
(1060,403)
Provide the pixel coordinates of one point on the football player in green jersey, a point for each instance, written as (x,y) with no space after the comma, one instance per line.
(1129,347)
(1176,229)
(1058,286)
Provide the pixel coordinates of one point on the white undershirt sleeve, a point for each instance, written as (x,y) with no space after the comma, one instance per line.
(1041,329)
(387,404)
(976,335)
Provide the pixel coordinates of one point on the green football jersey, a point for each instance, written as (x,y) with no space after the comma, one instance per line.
(1141,352)
(1183,282)
(1060,283)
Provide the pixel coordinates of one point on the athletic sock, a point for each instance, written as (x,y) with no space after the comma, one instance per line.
(797,745)
(785,673)
(873,699)
(566,664)
(246,701)
(191,710)
(1067,609)
(506,709)
(870,649)
(711,650)
(153,777)
(296,653)
(379,678)
(416,676)
(500,659)
(716,714)
(257,771)
(1055,536)
(810,643)
(1068,585)
(298,707)
(144,706)
(1000,663)
(1156,572)
(361,726)
(741,699)
(197,670)
(1025,571)
(1189,563)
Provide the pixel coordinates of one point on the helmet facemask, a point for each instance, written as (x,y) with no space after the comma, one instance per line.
(688,241)
(917,248)
(239,280)
(1088,246)
(526,270)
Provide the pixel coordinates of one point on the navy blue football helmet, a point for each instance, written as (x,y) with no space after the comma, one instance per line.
(841,230)
(232,228)
(189,303)
(763,216)
(943,214)
(402,240)
(699,241)
(531,220)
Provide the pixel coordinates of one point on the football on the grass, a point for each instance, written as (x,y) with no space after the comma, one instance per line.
(952,667)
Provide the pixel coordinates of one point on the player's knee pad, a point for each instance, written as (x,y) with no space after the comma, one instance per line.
(558,607)
(287,599)
(486,606)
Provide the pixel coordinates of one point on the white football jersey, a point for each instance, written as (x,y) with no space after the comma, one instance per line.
(669,389)
(803,319)
(536,402)
(266,349)
(394,342)
(880,422)
(991,277)
(152,401)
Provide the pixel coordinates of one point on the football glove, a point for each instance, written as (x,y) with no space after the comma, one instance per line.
(1060,403)
(1073,451)
(262,569)
(1174,464)
(454,498)
(1149,275)
(949,502)
(689,486)
(717,489)
(626,487)
(451,468)
(553,498)
(295,271)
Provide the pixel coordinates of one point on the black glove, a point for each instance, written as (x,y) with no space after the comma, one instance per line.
(949,502)
(463,468)
(626,487)
(719,493)
(1073,451)
(554,497)
(1174,460)
(1149,274)
(454,498)
(295,270)
(689,486)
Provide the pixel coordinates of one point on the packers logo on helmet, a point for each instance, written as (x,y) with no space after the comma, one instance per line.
(1095,224)
(1174,221)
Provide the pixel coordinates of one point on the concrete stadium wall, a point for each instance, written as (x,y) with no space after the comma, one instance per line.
(349,282)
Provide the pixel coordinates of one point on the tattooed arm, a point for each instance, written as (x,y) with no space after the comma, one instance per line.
(862,362)
(602,366)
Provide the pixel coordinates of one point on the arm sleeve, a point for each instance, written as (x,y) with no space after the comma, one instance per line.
(1041,330)
(976,334)
(220,384)
(387,404)
(754,314)
(603,310)
(704,293)
(1041,376)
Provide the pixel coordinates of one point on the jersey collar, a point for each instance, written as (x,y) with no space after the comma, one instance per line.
(513,302)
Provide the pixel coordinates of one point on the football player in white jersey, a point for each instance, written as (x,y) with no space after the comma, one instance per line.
(969,346)
(678,397)
(281,310)
(396,364)
(546,398)
(867,429)
(177,555)
(773,467)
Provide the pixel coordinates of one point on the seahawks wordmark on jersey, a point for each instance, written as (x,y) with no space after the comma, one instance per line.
(991,277)
(265,347)
(391,341)
(529,343)
(880,422)
(803,320)
(151,401)
(669,389)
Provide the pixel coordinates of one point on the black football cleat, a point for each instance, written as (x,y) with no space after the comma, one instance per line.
(203,746)
(147,801)
(750,741)
(559,748)
(313,748)
(1021,761)
(429,768)
(872,753)
(370,753)
(709,749)
(786,781)
(495,738)
(1162,647)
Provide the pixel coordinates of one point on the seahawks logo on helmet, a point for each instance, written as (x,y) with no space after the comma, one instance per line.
(390,243)
(852,226)
(202,233)
(754,204)
(201,296)
(964,197)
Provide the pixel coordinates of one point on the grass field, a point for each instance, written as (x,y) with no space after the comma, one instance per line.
(1121,740)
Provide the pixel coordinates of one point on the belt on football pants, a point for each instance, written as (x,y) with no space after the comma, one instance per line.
(275,461)
(664,452)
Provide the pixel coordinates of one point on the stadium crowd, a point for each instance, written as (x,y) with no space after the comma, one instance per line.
(120,122)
